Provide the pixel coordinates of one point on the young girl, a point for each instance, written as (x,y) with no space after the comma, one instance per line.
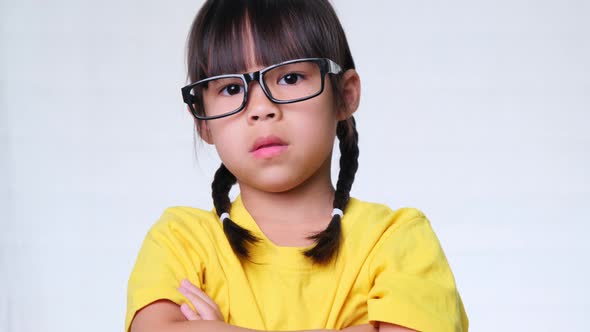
(273,85)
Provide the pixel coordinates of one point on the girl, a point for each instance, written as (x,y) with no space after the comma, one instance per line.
(273,84)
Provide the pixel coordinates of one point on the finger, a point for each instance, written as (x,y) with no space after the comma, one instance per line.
(188,312)
(189,286)
(202,307)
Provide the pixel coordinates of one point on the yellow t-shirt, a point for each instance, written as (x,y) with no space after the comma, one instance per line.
(391,268)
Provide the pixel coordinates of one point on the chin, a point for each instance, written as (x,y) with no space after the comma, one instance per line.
(275,186)
(276,183)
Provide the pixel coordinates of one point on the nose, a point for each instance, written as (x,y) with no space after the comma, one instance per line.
(259,107)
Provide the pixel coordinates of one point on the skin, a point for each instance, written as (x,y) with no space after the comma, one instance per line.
(208,310)
(281,191)
(278,192)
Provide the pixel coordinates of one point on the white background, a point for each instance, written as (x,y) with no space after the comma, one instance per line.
(476,112)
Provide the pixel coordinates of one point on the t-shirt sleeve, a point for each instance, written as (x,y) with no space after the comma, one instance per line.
(413,285)
(165,258)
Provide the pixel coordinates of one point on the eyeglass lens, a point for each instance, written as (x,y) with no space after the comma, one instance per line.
(284,83)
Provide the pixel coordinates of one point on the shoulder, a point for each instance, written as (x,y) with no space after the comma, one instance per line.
(383,217)
(184,222)
(371,227)
(399,234)
(180,244)
(185,216)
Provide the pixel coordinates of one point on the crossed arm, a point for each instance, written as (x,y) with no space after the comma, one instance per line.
(164,315)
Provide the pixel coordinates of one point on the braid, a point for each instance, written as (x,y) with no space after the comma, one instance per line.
(328,241)
(236,235)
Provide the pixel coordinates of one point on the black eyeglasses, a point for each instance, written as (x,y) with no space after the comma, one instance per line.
(286,82)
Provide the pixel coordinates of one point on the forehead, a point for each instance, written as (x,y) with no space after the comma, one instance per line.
(251,61)
(245,46)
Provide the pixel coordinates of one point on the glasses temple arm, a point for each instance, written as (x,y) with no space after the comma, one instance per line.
(333,67)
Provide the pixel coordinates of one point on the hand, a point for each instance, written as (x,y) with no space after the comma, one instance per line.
(361,328)
(204,305)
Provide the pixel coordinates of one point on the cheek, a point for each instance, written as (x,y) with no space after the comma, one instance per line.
(317,119)
(221,129)
(232,155)
(225,137)
(315,134)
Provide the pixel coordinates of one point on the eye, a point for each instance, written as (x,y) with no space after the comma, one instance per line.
(291,78)
(231,90)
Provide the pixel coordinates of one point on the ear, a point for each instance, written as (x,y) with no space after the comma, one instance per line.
(202,129)
(351,93)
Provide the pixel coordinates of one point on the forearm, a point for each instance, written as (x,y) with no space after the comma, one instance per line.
(218,326)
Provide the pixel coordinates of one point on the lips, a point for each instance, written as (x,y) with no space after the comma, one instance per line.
(268,141)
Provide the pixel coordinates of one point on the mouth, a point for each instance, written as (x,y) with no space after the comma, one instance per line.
(267,142)
(269,146)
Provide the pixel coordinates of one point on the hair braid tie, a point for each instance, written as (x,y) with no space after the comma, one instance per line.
(328,241)
(337,212)
(237,236)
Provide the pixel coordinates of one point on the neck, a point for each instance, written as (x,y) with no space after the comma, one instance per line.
(310,202)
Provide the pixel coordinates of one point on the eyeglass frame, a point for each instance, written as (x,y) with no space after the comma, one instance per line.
(326,66)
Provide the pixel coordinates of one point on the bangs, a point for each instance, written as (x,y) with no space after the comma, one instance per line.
(227,33)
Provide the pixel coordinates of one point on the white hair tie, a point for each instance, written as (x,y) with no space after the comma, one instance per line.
(223,216)
(337,212)
(334,212)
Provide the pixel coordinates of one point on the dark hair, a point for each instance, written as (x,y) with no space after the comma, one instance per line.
(280,31)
